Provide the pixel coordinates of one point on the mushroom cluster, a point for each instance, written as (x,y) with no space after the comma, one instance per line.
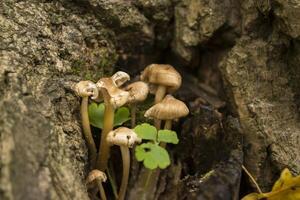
(159,79)
(162,79)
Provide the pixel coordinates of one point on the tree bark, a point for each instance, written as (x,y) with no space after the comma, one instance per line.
(245,53)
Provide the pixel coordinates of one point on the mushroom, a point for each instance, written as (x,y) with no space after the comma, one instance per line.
(138,92)
(99,177)
(120,78)
(164,78)
(168,109)
(85,89)
(125,138)
(113,98)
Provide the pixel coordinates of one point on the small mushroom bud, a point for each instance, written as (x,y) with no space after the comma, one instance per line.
(96,175)
(125,138)
(138,92)
(99,177)
(85,89)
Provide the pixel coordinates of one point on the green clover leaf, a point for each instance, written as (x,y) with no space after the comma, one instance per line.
(96,115)
(121,116)
(167,136)
(146,131)
(152,155)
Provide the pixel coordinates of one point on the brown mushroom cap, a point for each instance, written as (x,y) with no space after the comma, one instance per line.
(159,74)
(168,109)
(86,89)
(96,175)
(117,96)
(123,137)
(138,91)
(120,78)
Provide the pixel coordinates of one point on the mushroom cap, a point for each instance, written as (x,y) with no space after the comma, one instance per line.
(160,74)
(123,137)
(120,78)
(96,175)
(117,97)
(168,109)
(86,89)
(138,91)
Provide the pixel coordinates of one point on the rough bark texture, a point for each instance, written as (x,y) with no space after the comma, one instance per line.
(252,45)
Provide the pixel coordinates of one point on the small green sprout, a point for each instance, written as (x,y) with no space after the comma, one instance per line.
(96,115)
(151,153)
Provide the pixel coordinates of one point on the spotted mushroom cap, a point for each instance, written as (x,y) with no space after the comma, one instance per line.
(138,91)
(96,175)
(123,137)
(86,89)
(169,108)
(160,74)
(117,96)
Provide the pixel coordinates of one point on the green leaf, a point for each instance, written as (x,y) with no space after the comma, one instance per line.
(146,131)
(140,153)
(96,113)
(152,155)
(162,156)
(167,136)
(121,116)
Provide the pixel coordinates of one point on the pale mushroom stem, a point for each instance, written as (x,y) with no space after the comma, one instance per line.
(126,164)
(133,115)
(159,95)
(157,123)
(108,124)
(168,124)
(101,190)
(87,131)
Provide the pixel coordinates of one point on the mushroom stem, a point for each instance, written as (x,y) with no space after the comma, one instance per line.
(101,189)
(108,124)
(133,115)
(157,123)
(87,131)
(126,164)
(159,95)
(168,124)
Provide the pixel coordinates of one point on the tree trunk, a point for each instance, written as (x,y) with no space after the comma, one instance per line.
(239,60)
